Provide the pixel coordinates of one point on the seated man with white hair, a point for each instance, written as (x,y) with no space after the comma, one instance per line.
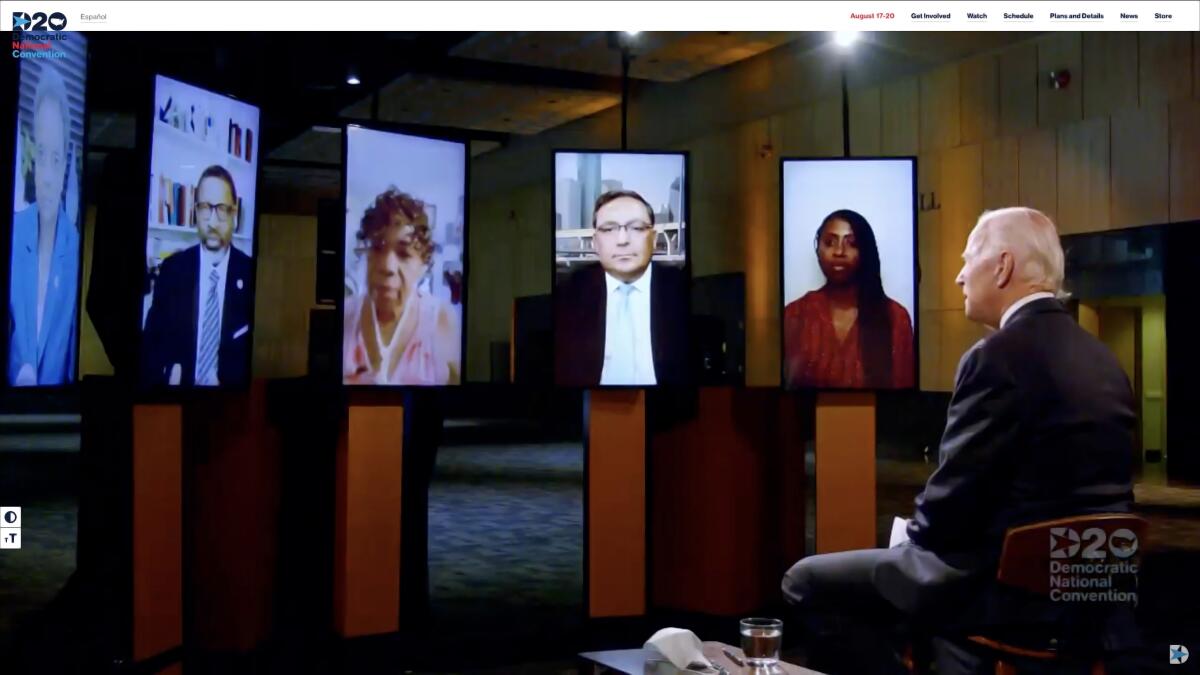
(1040,426)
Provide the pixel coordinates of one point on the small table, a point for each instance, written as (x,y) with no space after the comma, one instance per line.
(633,661)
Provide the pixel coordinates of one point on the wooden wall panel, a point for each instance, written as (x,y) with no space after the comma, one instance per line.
(367,555)
(930,349)
(845,481)
(939,108)
(286,263)
(616,502)
(1000,173)
(1140,163)
(1164,66)
(827,127)
(1110,74)
(929,259)
(1018,88)
(865,122)
(756,201)
(1058,51)
(157,557)
(979,91)
(814,130)
(962,202)
(1185,160)
(929,181)
(1083,176)
(1037,176)
(899,117)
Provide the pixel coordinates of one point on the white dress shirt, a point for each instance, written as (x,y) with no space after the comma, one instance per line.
(209,260)
(639,305)
(1012,309)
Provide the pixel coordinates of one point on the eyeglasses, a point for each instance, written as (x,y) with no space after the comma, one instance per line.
(205,209)
(636,227)
(379,245)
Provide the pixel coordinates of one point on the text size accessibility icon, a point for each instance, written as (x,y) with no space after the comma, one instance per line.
(10,527)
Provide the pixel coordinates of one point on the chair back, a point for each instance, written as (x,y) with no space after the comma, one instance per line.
(1036,557)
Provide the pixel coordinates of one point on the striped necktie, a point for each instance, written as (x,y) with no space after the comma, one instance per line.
(207,361)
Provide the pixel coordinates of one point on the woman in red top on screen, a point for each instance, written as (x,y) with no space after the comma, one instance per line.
(847,333)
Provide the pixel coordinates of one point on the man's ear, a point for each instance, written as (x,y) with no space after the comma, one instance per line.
(1005,266)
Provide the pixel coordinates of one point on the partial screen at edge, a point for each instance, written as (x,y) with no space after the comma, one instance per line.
(405,201)
(47,224)
(849,282)
(621,284)
(197,312)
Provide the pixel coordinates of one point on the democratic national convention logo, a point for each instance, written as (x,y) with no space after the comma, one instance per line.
(38,35)
(1179,655)
(1093,565)
(38,21)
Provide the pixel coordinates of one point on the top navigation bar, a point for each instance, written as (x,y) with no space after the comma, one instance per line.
(592,15)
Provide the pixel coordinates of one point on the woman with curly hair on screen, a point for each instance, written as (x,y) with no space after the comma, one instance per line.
(397,331)
(847,333)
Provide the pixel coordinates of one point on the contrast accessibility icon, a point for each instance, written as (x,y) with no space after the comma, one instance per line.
(10,527)
(1179,655)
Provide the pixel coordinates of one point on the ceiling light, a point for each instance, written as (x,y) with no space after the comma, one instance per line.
(353,80)
(632,33)
(846,38)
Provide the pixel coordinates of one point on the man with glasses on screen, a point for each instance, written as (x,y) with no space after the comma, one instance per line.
(198,328)
(623,321)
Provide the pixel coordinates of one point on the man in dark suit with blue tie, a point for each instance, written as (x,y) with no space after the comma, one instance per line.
(198,329)
(1040,426)
(622,320)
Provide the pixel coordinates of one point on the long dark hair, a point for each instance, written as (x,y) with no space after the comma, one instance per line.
(874,319)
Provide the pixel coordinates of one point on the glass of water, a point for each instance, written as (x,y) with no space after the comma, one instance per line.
(761,639)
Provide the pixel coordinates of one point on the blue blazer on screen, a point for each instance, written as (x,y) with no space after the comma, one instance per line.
(51,353)
(169,337)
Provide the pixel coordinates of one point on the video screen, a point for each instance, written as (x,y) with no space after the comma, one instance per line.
(621,282)
(197,313)
(48,213)
(405,199)
(849,274)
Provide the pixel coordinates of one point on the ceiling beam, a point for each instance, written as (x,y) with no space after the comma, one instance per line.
(451,133)
(500,72)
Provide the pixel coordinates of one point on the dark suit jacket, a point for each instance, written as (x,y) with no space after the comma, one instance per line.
(580,313)
(169,337)
(1040,426)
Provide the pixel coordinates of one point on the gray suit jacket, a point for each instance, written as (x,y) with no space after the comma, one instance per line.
(1040,426)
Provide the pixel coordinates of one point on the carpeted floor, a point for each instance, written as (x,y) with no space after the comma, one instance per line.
(506,543)
(506,536)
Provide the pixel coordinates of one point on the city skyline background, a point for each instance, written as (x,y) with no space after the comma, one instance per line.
(579,178)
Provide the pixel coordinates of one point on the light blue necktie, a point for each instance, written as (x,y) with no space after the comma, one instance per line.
(212,337)
(624,344)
